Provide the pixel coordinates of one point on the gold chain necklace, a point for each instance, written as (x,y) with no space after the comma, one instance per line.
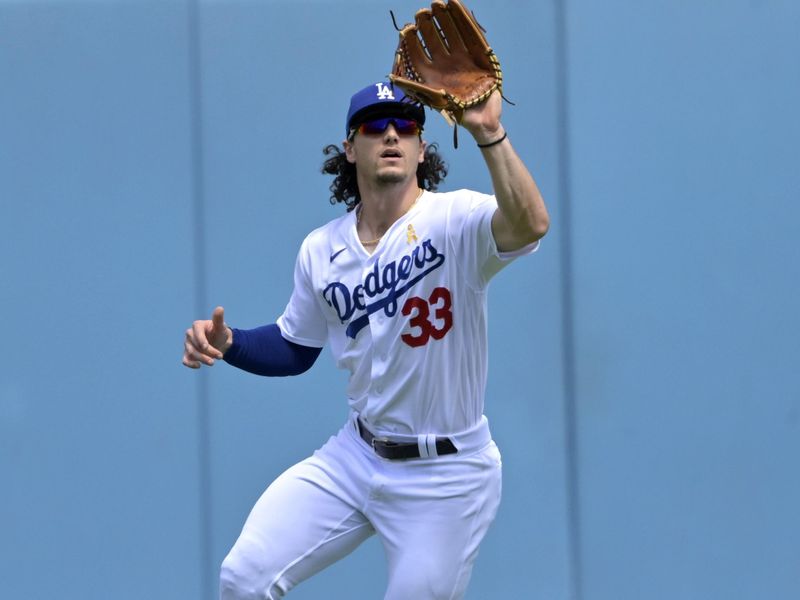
(378,239)
(370,242)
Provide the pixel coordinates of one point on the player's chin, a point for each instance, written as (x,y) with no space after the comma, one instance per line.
(391,174)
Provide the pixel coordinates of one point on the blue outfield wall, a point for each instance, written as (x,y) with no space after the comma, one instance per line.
(685,181)
(161,158)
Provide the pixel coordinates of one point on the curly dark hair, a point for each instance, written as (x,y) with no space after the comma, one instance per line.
(430,172)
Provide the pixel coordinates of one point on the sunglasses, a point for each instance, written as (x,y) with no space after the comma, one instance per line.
(378,126)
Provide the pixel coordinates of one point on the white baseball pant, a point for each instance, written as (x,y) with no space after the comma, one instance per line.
(429,513)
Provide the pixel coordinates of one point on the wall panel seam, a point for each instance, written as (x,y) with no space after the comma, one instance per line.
(567,303)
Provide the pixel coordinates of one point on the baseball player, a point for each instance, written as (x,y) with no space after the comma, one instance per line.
(397,288)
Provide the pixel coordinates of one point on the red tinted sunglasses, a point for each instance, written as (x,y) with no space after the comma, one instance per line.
(378,126)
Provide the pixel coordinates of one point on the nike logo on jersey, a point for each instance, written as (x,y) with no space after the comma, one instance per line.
(385,283)
(337,253)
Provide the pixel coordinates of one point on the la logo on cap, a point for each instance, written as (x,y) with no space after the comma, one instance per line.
(384,92)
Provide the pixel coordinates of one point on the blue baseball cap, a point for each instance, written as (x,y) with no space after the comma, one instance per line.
(382,99)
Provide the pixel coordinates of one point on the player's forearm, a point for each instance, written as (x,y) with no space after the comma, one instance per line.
(264,351)
(522,217)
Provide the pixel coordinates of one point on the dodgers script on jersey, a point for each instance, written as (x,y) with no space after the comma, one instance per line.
(397,319)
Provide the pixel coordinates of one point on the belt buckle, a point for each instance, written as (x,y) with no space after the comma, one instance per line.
(379,440)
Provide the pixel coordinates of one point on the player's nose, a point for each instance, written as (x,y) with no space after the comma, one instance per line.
(390,134)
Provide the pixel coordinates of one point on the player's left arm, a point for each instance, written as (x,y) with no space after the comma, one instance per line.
(522,217)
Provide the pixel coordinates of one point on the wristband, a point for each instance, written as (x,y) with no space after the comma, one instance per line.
(505,135)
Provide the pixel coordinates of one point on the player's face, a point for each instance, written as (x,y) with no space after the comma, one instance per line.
(386,150)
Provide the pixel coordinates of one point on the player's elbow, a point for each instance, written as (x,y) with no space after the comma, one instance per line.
(536,227)
(531,230)
(303,358)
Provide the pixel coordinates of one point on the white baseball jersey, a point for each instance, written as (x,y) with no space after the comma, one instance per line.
(409,320)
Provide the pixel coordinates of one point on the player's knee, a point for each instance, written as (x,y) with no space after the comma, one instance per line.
(429,583)
(235,582)
(241,579)
(427,586)
(430,590)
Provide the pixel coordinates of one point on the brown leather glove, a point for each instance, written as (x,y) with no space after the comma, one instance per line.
(444,60)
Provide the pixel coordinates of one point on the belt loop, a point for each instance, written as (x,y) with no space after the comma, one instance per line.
(432,445)
(429,445)
(422,444)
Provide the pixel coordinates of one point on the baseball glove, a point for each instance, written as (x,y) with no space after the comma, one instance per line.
(444,61)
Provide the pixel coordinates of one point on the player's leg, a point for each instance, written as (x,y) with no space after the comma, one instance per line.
(433,521)
(305,521)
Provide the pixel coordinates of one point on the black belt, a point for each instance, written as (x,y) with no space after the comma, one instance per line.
(401,450)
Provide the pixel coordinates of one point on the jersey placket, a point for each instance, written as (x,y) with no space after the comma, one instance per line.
(378,325)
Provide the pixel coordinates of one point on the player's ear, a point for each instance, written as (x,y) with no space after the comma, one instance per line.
(349,152)
(423,145)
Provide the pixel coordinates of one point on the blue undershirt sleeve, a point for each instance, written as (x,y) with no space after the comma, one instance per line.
(264,351)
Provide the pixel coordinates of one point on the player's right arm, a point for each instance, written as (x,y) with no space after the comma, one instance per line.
(262,351)
(288,347)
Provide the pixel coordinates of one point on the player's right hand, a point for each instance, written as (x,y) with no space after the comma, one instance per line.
(207,341)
